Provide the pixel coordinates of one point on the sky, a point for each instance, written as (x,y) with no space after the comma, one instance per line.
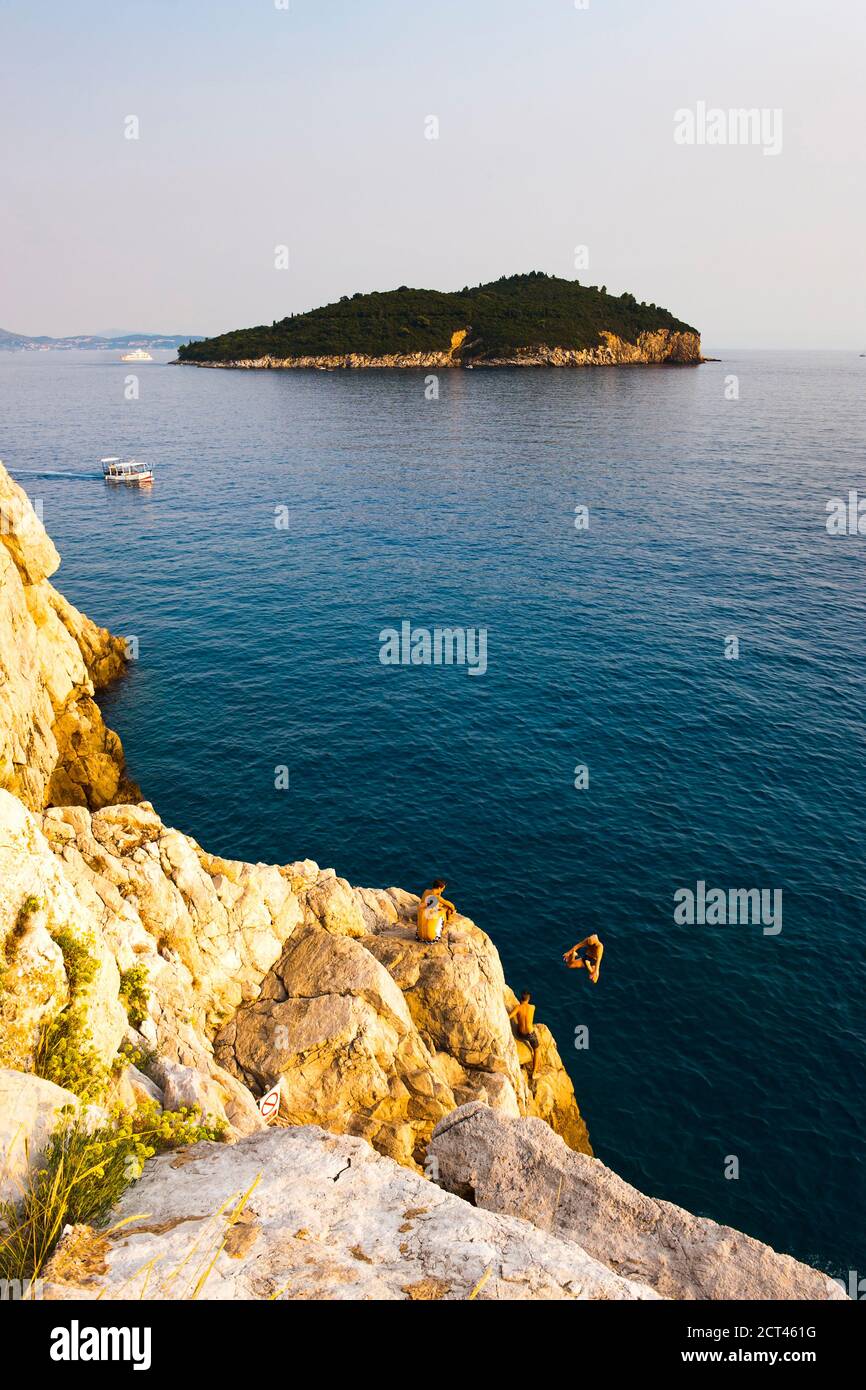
(307,127)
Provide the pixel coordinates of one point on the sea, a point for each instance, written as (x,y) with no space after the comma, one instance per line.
(671,696)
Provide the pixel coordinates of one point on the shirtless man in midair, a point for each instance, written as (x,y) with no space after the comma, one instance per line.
(590,960)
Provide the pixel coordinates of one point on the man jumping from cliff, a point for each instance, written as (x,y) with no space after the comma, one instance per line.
(593,951)
(434,912)
(523,1017)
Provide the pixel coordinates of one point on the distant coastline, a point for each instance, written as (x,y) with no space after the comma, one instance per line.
(162,342)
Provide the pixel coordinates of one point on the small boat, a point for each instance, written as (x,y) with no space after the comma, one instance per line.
(139,355)
(133,471)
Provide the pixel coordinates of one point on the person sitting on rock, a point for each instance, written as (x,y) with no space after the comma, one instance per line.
(434,912)
(593,951)
(438,887)
(523,1017)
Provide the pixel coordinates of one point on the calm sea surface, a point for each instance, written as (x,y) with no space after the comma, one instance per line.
(259,648)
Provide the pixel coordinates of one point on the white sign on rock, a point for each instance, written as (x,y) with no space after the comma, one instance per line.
(269,1105)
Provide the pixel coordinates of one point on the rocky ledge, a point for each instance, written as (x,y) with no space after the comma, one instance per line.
(302,1214)
(519,1168)
(660,347)
(255,976)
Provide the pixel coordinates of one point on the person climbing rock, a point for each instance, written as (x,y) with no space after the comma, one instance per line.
(434,912)
(523,1017)
(593,950)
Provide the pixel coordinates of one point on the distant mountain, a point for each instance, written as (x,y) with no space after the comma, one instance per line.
(14,342)
(533,319)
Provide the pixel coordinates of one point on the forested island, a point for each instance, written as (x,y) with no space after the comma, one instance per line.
(523,320)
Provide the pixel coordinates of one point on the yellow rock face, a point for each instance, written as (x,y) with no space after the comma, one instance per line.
(54,746)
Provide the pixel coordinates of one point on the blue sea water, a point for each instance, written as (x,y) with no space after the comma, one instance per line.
(259,647)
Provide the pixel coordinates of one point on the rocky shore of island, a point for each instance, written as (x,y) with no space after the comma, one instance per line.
(659,348)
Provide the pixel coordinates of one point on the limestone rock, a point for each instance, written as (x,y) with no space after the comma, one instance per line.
(54,745)
(381,1035)
(206,929)
(27,543)
(215,1095)
(30,1110)
(330,902)
(104,656)
(33,987)
(34,971)
(301,1214)
(459,1003)
(133,1089)
(331,1026)
(455,991)
(654,347)
(522,1169)
(298,977)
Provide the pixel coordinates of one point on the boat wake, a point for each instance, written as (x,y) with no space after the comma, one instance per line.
(52,473)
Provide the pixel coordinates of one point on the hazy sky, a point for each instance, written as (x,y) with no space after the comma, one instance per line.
(262,126)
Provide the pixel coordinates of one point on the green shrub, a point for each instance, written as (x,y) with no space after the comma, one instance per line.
(30,905)
(78,961)
(135,994)
(83,1176)
(65,1052)
(66,1056)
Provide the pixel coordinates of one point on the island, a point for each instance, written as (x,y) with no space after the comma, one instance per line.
(518,321)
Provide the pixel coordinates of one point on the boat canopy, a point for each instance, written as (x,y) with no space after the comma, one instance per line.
(124,468)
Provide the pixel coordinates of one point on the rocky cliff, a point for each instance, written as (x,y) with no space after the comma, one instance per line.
(54,746)
(660,347)
(138,972)
(520,1168)
(256,976)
